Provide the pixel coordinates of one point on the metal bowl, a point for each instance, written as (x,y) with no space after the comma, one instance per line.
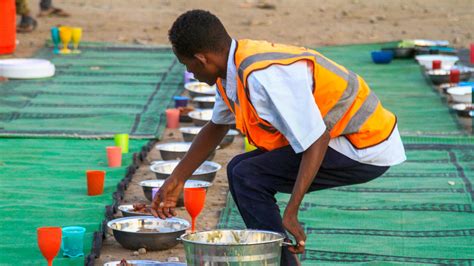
(447,61)
(440,76)
(401,52)
(189,133)
(233,247)
(201,117)
(148,186)
(205,102)
(464,109)
(461,94)
(176,150)
(127,211)
(197,88)
(206,172)
(148,232)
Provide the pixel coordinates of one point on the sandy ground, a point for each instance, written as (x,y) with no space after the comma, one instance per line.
(299,22)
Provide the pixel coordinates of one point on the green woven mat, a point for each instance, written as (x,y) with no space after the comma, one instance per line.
(43,183)
(419,212)
(402,88)
(105,90)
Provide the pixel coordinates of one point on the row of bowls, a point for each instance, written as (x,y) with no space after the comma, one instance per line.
(460,93)
(139,230)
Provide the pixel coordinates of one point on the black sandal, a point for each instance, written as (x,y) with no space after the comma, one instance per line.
(27,24)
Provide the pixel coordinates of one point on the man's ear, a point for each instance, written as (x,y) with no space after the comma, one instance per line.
(201,57)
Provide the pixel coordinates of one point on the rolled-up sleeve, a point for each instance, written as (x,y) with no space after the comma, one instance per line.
(282,95)
(221,113)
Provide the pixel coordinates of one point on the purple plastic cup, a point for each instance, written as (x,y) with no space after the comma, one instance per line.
(188,77)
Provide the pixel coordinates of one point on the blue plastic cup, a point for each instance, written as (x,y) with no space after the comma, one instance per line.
(55,39)
(180,101)
(73,241)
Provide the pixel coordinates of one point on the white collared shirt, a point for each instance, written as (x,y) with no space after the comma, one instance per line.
(282,95)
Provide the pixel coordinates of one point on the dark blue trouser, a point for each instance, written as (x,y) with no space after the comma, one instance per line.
(255,177)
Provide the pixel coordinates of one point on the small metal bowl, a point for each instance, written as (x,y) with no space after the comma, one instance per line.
(201,117)
(401,52)
(204,102)
(147,232)
(440,76)
(206,172)
(127,211)
(464,109)
(196,89)
(189,133)
(148,186)
(176,150)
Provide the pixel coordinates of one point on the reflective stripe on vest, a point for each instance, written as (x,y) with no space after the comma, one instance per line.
(345,101)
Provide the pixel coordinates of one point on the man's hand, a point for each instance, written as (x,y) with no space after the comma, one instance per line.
(166,198)
(292,225)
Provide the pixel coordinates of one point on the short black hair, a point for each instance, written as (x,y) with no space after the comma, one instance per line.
(198,31)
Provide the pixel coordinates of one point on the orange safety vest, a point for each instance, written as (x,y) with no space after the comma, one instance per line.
(348,107)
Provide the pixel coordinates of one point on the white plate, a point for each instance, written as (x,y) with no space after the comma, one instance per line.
(447,61)
(461,94)
(26,68)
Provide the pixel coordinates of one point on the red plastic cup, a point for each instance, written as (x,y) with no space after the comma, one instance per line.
(95,182)
(454,75)
(172,118)
(436,64)
(472,53)
(114,156)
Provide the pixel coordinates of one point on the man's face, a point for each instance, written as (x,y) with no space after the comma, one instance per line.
(200,66)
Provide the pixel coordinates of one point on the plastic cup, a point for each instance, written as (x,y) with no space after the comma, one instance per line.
(454,75)
(72,243)
(188,77)
(180,101)
(114,156)
(95,182)
(172,118)
(248,146)
(153,192)
(472,54)
(436,64)
(121,140)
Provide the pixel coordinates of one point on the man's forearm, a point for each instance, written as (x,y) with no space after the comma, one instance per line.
(309,166)
(204,143)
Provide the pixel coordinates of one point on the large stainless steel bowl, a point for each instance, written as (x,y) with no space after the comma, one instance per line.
(206,172)
(176,150)
(197,88)
(189,133)
(148,232)
(205,102)
(233,247)
(127,211)
(201,117)
(440,76)
(148,186)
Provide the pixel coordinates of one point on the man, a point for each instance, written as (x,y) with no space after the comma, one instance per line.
(27,22)
(316,124)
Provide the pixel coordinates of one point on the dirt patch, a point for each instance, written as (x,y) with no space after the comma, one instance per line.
(302,22)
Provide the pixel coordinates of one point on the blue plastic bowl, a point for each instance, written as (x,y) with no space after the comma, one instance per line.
(382,57)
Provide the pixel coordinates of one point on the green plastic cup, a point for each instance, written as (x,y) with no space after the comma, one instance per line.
(121,140)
